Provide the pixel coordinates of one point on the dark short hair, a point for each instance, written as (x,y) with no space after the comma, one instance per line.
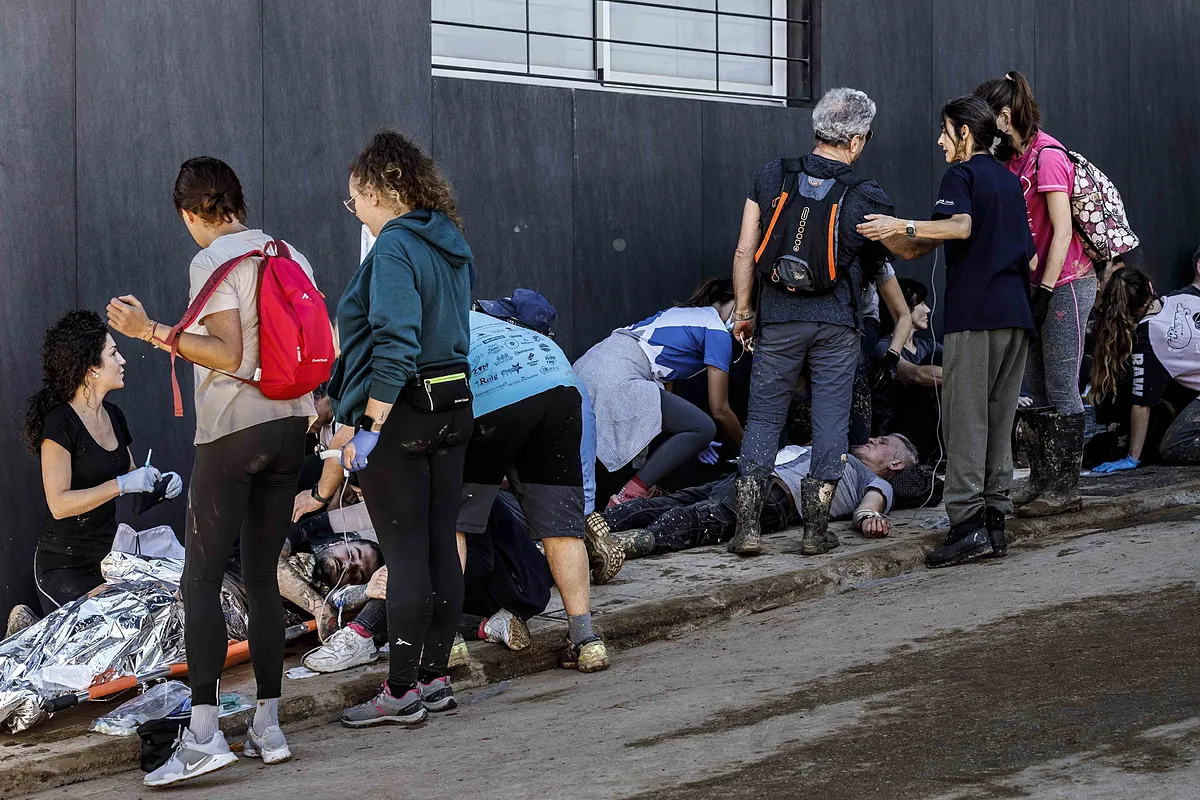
(914,292)
(976,115)
(210,189)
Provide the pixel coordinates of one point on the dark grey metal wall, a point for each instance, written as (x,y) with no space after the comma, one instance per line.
(613,205)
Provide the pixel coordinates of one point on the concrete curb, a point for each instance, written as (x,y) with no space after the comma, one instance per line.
(76,756)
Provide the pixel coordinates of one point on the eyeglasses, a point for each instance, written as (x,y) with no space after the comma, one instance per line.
(868,136)
(350,203)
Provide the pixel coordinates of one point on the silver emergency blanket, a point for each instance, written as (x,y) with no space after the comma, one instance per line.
(133,626)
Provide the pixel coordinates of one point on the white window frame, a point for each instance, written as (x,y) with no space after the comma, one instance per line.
(778,88)
(632,82)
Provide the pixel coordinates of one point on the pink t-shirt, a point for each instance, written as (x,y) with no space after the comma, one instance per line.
(1052,172)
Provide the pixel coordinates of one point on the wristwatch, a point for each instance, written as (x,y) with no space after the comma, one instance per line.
(317,496)
(910,230)
(366,423)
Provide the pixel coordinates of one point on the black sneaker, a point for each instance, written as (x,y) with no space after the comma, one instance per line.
(437,695)
(967,540)
(995,526)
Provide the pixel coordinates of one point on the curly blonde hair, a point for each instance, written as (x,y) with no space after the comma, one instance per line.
(399,170)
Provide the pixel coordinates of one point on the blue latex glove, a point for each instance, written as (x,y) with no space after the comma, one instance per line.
(363,442)
(175,486)
(1128,462)
(141,479)
(709,455)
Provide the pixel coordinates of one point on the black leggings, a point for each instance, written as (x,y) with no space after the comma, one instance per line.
(61,579)
(412,486)
(241,483)
(688,431)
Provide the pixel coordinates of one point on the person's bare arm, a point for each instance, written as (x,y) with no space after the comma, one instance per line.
(718,406)
(893,298)
(1059,205)
(1139,423)
(911,375)
(869,517)
(749,239)
(929,233)
(220,350)
(62,500)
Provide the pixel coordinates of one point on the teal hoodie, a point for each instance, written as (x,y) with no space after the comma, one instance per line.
(406,309)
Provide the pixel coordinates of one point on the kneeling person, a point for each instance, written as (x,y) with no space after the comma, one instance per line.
(707,515)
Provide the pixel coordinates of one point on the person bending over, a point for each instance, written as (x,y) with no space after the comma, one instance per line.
(84,446)
(628,378)
(1142,341)
(707,515)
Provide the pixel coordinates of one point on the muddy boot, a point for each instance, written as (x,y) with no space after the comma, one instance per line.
(636,543)
(967,540)
(1064,458)
(1031,432)
(604,555)
(747,541)
(815,498)
(994,519)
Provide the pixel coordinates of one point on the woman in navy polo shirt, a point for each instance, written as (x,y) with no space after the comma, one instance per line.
(980,215)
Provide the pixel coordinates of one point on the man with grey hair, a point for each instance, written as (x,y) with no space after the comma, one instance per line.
(799,239)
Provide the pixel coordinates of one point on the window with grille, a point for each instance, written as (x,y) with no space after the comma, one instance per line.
(735,48)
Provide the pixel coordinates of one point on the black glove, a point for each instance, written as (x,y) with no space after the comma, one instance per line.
(885,371)
(1041,305)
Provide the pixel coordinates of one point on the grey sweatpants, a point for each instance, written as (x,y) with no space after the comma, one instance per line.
(782,349)
(1052,370)
(981,384)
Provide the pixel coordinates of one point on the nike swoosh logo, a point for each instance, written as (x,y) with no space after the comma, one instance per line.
(191,767)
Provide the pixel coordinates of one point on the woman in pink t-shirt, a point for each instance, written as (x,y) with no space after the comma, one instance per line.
(1064,290)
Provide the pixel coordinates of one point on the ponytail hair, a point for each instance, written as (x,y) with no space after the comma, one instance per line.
(1126,296)
(710,292)
(210,189)
(73,346)
(1013,92)
(977,116)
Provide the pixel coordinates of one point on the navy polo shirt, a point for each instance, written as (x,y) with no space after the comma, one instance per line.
(987,274)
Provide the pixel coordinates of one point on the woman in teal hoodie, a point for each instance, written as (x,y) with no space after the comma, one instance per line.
(400,389)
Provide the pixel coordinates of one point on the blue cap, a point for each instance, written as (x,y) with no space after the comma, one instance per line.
(525,306)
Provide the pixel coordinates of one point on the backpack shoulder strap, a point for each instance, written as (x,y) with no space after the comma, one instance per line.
(792,169)
(193,313)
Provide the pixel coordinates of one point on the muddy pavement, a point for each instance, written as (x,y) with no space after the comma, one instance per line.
(1070,669)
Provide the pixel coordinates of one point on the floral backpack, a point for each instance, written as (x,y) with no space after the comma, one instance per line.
(1097,210)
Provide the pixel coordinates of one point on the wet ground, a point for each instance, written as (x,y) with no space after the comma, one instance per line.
(1068,670)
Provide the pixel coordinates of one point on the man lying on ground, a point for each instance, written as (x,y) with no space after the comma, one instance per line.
(707,515)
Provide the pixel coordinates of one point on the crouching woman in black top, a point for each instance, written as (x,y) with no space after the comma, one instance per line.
(83,443)
(980,214)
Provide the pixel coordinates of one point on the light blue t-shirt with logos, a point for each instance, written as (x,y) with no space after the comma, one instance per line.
(510,363)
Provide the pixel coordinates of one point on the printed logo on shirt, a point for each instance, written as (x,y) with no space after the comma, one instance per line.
(1179,335)
(943,203)
(1139,374)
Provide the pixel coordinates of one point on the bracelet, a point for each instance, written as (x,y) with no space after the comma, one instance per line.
(148,331)
(317,496)
(743,316)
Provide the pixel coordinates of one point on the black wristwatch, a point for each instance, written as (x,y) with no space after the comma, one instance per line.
(366,423)
(317,495)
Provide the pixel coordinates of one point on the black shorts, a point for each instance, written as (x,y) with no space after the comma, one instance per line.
(535,444)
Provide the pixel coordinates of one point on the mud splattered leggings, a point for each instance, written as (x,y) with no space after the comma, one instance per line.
(244,482)
(1052,367)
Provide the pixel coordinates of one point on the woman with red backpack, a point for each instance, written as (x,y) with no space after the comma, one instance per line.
(1064,291)
(249,450)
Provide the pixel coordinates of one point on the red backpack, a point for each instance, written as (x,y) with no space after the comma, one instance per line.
(295,340)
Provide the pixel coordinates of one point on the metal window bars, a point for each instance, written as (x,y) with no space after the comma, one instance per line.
(795,58)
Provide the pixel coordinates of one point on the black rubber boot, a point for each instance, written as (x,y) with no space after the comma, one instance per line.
(747,541)
(1064,458)
(635,543)
(816,496)
(994,519)
(1031,432)
(967,540)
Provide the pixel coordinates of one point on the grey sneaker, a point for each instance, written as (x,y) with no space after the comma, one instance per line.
(504,628)
(385,709)
(437,695)
(271,747)
(192,759)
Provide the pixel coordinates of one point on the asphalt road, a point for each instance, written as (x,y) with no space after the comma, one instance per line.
(1070,669)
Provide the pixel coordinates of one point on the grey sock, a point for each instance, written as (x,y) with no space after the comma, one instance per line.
(579,629)
(204,722)
(266,715)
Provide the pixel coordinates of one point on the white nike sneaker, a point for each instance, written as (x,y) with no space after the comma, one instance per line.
(507,629)
(271,747)
(343,650)
(192,759)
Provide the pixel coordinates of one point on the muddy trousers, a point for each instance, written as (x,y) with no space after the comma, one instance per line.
(703,515)
(241,483)
(1180,444)
(981,384)
(412,486)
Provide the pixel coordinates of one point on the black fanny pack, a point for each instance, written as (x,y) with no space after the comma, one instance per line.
(440,389)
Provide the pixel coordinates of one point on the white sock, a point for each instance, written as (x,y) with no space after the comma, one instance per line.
(266,715)
(204,722)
